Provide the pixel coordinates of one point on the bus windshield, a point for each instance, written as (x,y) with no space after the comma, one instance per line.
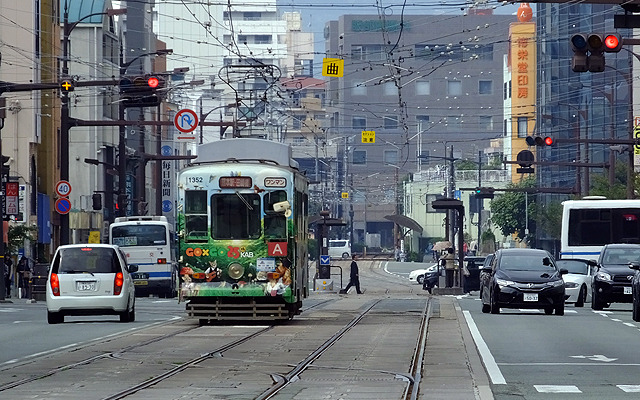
(139,235)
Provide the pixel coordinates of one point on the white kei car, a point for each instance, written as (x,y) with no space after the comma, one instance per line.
(90,279)
(417,275)
(578,281)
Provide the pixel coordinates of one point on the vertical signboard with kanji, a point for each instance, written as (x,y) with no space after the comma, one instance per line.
(168,174)
(11,199)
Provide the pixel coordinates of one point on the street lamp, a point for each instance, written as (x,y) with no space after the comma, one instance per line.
(65,124)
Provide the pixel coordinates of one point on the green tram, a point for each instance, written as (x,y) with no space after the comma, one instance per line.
(242,229)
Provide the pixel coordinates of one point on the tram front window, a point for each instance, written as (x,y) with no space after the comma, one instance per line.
(235,216)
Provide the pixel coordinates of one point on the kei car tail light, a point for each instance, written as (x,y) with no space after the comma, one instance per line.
(55,284)
(117,284)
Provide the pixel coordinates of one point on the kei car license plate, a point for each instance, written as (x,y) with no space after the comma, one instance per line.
(627,290)
(140,283)
(85,286)
(531,297)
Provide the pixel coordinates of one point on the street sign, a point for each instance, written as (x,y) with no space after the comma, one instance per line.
(63,188)
(11,201)
(186,120)
(63,205)
(325,260)
(368,136)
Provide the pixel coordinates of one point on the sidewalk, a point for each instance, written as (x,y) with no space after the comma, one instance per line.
(452,368)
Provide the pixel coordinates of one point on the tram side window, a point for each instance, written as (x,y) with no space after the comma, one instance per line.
(195,214)
(275,223)
(235,216)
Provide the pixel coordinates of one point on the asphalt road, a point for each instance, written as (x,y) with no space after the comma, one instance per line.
(585,354)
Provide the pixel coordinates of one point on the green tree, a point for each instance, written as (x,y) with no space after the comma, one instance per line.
(17,234)
(508,210)
(600,185)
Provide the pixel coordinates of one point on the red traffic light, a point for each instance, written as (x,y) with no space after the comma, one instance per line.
(548,141)
(612,43)
(153,82)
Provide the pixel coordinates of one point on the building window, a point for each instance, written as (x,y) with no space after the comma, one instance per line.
(423,88)
(485,87)
(485,123)
(506,93)
(390,89)
(423,122)
(454,88)
(390,122)
(505,128)
(359,157)
(390,157)
(358,89)
(522,127)
(359,123)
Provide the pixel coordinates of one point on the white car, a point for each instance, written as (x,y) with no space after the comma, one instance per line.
(90,279)
(578,281)
(417,275)
(339,248)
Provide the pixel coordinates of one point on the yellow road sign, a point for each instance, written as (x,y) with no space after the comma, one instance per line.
(345,195)
(368,136)
(333,67)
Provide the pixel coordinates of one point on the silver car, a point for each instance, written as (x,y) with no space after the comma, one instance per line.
(90,279)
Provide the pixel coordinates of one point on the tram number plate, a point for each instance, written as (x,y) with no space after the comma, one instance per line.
(628,290)
(140,275)
(531,297)
(85,286)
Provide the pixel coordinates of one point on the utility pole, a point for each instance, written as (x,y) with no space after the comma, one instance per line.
(3,289)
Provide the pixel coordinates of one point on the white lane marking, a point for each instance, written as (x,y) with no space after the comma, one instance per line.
(630,324)
(602,312)
(596,357)
(489,362)
(557,389)
(629,388)
(616,320)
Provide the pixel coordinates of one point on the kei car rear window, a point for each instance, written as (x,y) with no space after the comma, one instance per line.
(86,260)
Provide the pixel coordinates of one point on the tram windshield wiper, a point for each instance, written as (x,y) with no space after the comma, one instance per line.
(246,203)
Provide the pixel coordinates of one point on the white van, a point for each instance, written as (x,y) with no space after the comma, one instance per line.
(339,248)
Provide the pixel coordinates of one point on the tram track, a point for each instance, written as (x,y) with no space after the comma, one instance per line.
(90,360)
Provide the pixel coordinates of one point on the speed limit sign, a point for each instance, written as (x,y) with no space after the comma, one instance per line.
(63,188)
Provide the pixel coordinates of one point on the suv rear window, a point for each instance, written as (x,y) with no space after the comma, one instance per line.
(337,243)
(79,260)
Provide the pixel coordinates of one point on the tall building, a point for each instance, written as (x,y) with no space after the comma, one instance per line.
(578,106)
(423,84)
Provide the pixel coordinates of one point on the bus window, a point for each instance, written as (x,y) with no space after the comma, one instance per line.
(195,214)
(235,216)
(139,235)
(275,223)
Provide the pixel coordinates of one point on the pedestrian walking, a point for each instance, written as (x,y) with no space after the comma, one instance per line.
(355,275)
(8,273)
(449,266)
(24,276)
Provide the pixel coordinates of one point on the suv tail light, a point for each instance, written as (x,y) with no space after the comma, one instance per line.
(117,284)
(55,284)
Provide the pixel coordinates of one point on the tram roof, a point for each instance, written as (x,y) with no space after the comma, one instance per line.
(246,149)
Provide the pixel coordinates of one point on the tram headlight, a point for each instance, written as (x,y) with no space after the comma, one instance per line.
(235,271)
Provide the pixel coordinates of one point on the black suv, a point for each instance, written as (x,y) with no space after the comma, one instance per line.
(612,280)
(523,278)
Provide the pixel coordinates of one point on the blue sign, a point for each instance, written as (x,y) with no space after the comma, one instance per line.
(167,206)
(166,150)
(325,260)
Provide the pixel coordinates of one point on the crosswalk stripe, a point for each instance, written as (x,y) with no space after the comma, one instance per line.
(557,389)
(630,388)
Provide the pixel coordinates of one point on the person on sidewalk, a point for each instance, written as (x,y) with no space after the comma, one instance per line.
(355,275)
(24,276)
(8,273)
(449,266)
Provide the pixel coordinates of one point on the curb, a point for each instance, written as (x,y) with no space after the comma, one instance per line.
(478,372)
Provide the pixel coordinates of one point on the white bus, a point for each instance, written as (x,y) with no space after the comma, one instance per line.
(150,243)
(589,224)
